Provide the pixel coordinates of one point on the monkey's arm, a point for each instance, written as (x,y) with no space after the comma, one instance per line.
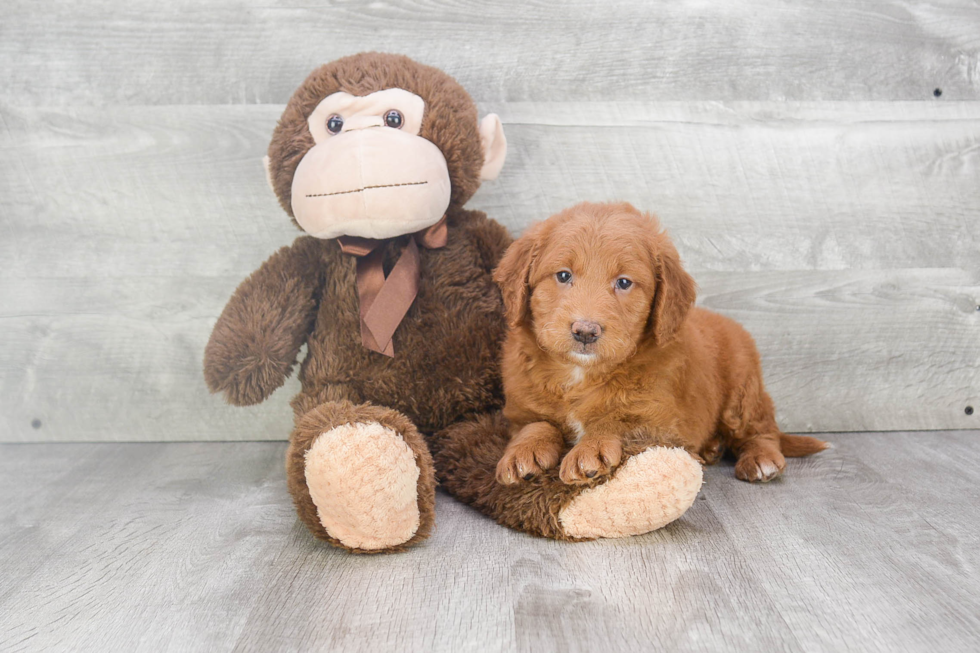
(255,341)
(490,237)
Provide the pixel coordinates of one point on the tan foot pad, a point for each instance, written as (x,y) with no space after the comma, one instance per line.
(652,489)
(364,482)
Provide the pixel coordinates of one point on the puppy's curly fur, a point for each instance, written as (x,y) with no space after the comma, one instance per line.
(605,341)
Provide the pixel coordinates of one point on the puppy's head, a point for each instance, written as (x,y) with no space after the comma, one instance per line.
(594,282)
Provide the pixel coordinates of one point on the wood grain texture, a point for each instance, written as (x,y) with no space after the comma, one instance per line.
(760,186)
(842,235)
(745,186)
(235,52)
(120,359)
(871,546)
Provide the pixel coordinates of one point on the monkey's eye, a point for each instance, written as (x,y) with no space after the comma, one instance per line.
(623,283)
(564,276)
(335,123)
(394,119)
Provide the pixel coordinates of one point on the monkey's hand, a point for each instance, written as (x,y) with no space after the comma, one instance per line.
(255,341)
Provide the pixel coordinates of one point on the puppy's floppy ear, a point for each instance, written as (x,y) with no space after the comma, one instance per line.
(674,295)
(513,276)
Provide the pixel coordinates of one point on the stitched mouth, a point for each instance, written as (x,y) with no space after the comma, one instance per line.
(358,190)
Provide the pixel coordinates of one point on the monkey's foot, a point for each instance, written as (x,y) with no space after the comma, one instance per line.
(650,490)
(363,479)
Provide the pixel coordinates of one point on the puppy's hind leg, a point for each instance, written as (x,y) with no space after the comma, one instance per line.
(759,458)
(749,427)
(750,432)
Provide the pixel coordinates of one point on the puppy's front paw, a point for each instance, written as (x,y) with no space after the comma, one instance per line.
(590,460)
(524,460)
(759,467)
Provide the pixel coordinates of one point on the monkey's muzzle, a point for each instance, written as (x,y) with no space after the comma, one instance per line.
(371,183)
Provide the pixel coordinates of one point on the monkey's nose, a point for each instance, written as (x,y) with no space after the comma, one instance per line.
(363,122)
(585,331)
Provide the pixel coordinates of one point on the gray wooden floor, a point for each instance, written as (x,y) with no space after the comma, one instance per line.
(194,546)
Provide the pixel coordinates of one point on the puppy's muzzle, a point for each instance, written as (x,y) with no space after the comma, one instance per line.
(586,332)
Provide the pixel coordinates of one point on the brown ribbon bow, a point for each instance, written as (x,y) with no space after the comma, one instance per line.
(385,301)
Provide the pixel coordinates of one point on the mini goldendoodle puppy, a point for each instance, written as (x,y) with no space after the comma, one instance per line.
(605,343)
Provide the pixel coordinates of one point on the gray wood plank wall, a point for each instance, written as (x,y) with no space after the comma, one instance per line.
(816,186)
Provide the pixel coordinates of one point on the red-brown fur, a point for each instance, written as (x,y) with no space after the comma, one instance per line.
(683,375)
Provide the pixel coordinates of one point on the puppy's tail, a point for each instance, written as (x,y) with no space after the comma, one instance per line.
(794,446)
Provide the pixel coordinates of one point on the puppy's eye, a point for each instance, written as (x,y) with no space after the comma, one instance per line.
(623,283)
(564,276)
(394,119)
(335,123)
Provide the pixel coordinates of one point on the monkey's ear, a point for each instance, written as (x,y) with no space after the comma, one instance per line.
(494,146)
(268,172)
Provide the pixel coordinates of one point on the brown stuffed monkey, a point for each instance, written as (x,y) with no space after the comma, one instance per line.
(392,292)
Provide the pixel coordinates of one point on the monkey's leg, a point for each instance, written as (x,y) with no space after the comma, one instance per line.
(651,488)
(361,477)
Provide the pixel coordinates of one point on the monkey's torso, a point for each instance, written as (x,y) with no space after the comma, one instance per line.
(446,348)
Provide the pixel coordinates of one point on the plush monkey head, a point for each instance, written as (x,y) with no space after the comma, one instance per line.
(377,145)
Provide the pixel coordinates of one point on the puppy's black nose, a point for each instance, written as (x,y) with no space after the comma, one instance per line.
(586,332)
